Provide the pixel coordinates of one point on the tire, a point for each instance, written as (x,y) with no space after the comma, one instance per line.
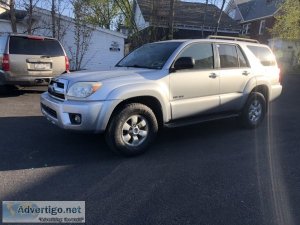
(132,129)
(254,110)
(7,89)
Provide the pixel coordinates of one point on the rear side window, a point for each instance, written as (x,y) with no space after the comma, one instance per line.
(2,44)
(264,55)
(228,56)
(27,46)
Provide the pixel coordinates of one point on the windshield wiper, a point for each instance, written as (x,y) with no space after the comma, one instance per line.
(139,66)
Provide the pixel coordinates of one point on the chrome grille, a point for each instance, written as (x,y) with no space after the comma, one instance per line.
(57,88)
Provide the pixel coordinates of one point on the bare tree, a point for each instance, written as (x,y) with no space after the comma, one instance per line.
(29,6)
(53,23)
(82,34)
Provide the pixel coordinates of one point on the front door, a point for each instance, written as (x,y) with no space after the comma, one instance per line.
(195,91)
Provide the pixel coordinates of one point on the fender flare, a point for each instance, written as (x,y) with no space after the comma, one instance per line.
(120,94)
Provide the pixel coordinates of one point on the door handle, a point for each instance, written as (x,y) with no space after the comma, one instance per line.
(245,73)
(213,75)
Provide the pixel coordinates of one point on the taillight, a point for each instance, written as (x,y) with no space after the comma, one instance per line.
(5,62)
(67,64)
(35,37)
(280,76)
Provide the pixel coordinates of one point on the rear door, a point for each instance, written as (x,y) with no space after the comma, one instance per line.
(35,56)
(234,71)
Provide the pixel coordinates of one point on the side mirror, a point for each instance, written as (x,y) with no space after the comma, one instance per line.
(184,63)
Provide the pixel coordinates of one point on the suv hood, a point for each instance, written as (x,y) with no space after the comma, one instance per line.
(115,74)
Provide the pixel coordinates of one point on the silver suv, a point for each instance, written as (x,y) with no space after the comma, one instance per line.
(169,83)
(30,60)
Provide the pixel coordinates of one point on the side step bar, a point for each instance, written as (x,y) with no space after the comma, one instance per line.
(191,121)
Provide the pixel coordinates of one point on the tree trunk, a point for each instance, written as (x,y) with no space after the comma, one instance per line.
(13,19)
(30,12)
(53,19)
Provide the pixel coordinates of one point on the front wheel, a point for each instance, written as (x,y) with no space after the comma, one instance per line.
(254,110)
(132,129)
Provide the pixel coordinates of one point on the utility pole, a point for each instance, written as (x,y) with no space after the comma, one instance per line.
(53,9)
(171,20)
(220,16)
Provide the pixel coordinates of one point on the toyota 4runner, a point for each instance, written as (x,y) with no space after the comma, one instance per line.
(168,83)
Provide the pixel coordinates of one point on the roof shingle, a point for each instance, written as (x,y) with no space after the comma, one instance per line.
(255,9)
(185,13)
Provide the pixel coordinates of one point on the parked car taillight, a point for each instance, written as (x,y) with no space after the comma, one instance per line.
(280,75)
(5,62)
(67,64)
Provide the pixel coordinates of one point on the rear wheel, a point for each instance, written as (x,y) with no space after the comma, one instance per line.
(132,129)
(7,89)
(254,110)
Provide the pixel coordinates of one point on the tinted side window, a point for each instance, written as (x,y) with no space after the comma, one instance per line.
(242,59)
(202,53)
(264,55)
(27,46)
(228,56)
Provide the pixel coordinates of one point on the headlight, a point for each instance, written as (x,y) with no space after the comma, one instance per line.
(83,89)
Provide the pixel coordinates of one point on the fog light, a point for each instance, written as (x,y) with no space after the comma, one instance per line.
(75,118)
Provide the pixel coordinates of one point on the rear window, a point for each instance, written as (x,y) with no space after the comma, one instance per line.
(2,44)
(27,46)
(264,55)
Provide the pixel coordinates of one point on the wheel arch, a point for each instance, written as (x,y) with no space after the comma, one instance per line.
(152,102)
(257,85)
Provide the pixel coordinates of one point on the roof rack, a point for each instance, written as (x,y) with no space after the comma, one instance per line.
(232,38)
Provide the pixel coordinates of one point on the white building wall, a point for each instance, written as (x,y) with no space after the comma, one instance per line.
(5,27)
(99,56)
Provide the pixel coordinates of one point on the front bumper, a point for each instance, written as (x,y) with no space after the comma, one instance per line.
(94,114)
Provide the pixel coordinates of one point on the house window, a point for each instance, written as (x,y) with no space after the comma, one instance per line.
(246,28)
(262,27)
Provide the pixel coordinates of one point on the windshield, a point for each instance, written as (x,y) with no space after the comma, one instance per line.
(151,56)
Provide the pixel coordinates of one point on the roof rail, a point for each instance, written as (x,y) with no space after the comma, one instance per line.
(232,38)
